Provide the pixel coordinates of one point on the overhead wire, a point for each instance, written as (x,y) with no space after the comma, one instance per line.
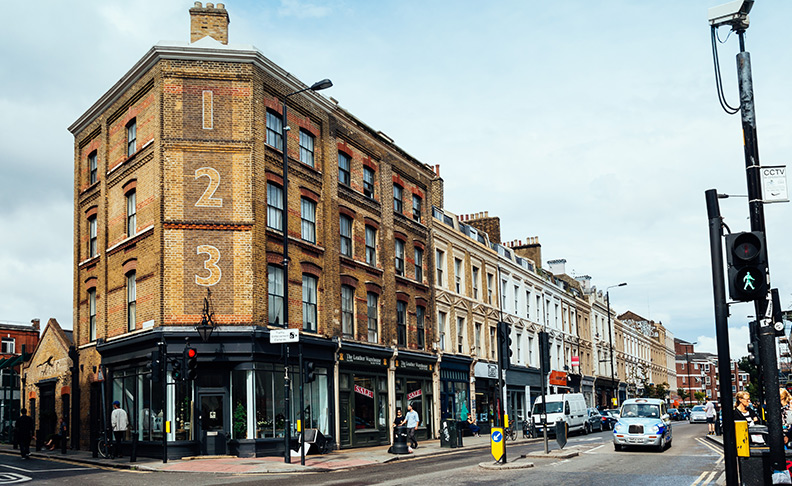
(718,81)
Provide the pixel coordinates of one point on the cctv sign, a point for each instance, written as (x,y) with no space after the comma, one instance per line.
(774,184)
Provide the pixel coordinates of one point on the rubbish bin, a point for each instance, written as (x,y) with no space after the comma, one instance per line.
(449,435)
(399,441)
(461,426)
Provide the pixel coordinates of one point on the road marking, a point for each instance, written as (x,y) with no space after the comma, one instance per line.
(698,480)
(710,446)
(591,451)
(559,462)
(13,478)
(44,470)
(705,478)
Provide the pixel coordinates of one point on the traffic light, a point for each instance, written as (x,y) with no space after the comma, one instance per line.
(746,255)
(505,342)
(176,370)
(155,367)
(310,374)
(544,351)
(190,363)
(753,346)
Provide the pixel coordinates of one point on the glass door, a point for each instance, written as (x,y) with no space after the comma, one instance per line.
(214,423)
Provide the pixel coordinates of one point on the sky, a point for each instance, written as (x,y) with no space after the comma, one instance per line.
(594,126)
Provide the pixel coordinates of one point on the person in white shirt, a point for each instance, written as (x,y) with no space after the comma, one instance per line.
(709,409)
(119,422)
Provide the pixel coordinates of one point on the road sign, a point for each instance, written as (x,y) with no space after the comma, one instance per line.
(774,184)
(280,336)
(498,446)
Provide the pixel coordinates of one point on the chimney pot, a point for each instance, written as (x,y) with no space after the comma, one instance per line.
(209,5)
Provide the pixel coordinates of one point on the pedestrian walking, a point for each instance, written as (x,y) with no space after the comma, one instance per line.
(119,422)
(412,423)
(709,410)
(24,430)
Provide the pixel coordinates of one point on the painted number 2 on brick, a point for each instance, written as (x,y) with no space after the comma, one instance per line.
(210,264)
(207,199)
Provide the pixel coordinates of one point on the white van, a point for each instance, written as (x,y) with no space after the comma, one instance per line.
(568,407)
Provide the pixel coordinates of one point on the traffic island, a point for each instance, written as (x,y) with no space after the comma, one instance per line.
(497,466)
(559,454)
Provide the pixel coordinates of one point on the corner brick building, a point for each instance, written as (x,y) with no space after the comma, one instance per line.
(179,201)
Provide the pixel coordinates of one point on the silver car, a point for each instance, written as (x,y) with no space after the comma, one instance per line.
(698,415)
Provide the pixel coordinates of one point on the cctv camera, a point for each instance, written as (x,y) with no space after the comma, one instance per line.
(732,13)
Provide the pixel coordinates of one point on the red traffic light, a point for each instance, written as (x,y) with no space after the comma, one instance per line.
(191,353)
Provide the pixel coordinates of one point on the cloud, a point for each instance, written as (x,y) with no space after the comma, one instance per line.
(738,342)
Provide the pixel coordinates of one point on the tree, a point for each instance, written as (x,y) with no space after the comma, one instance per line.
(655,391)
(700,396)
(745,364)
(683,394)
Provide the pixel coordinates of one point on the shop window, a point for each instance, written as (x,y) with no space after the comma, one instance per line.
(371,402)
(142,400)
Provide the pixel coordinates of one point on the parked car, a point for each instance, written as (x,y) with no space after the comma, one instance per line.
(684,413)
(609,419)
(594,421)
(674,413)
(698,415)
(643,421)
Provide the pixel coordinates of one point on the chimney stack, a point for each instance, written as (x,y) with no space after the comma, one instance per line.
(36,324)
(209,21)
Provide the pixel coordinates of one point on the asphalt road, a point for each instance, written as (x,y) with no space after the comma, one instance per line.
(691,461)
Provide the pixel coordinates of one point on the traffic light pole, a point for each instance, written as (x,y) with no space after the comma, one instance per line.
(302,407)
(722,336)
(163,349)
(767,352)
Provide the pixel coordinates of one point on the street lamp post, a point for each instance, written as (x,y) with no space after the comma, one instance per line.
(610,337)
(317,86)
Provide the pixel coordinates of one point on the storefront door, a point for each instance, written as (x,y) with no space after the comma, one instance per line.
(214,422)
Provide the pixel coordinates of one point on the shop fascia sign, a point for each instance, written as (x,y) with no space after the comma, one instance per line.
(362,359)
(414,365)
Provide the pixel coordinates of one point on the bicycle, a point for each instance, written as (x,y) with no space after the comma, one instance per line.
(509,433)
(103,446)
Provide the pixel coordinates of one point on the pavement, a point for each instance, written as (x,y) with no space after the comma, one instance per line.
(336,460)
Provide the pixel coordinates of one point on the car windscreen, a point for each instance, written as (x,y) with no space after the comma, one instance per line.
(552,407)
(642,410)
(698,408)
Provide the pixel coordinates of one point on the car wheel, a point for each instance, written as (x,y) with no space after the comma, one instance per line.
(661,447)
(586,429)
(617,447)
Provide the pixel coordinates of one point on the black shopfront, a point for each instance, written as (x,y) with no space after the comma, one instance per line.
(363,395)
(413,386)
(236,405)
(455,387)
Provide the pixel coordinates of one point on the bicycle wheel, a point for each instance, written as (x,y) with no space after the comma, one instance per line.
(103,448)
(513,433)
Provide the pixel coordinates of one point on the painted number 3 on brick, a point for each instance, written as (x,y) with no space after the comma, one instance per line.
(210,265)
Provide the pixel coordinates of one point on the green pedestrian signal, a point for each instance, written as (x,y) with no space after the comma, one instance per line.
(746,256)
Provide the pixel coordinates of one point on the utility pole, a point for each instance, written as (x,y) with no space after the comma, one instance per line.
(756,209)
